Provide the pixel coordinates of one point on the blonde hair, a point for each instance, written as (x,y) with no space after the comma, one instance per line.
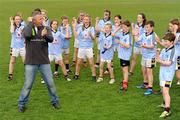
(87,15)
(109,25)
(43,10)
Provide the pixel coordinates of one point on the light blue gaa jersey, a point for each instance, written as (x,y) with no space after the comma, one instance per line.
(106,40)
(167,72)
(125,53)
(47,22)
(23,23)
(141,31)
(17,40)
(118,34)
(54,48)
(148,53)
(77,27)
(65,42)
(85,40)
(177,45)
(102,23)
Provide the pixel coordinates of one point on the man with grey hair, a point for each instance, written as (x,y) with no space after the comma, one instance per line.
(37,37)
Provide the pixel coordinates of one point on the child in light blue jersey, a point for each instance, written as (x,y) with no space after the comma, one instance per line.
(148,47)
(99,26)
(174,27)
(167,62)
(125,51)
(106,52)
(116,30)
(116,33)
(76,41)
(17,43)
(55,52)
(138,29)
(46,21)
(85,35)
(66,29)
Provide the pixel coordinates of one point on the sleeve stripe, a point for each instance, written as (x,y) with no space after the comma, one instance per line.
(172,54)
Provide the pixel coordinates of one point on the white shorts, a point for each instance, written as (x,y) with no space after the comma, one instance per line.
(15,52)
(85,53)
(65,51)
(165,83)
(137,50)
(55,57)
(107,61)
(76,43)
(150,63)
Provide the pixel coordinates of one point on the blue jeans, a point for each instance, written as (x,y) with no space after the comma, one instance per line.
(30,73)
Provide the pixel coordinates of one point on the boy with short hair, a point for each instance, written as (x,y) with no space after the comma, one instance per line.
(148,45)
(167,62)
(124,52)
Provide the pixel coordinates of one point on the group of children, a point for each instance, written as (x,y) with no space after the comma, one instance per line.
(110,37)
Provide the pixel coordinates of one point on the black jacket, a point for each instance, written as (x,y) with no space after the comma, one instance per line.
(36,45)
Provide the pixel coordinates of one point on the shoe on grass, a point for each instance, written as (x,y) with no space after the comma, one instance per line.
(76,77)
(21,109)
(165,114)
(42,81)
(56,105)
(106,72)
(67,78)
(55,74)
(96,66)
(99,80)
(148,92)
(112,81)
(124,86)
(10,77)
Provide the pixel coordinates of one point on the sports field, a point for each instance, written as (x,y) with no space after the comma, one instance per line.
(84,99)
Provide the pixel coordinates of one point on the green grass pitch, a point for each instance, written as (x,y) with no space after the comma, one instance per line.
(84,99)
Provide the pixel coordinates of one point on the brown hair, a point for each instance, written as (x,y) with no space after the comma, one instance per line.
(64,17)
(127,23)
(15,26)
(176,22)
(144,18)
(108,11)
(150,22)
(170,37)
(119,16)
(52,22)
(80,13)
